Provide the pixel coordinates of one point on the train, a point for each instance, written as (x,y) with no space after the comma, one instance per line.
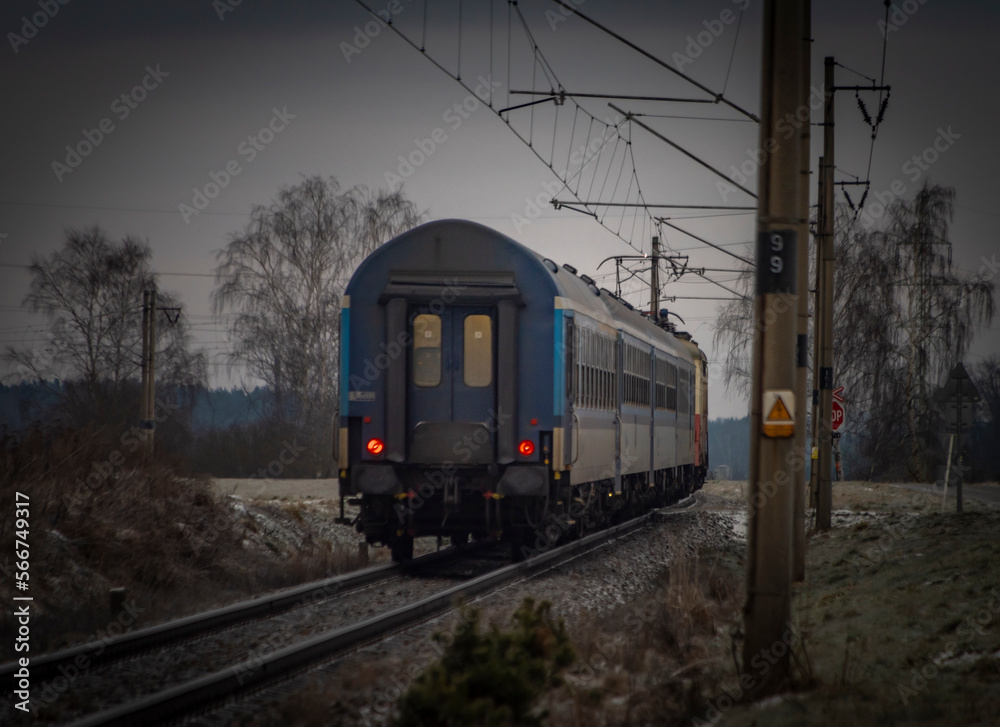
(487,391)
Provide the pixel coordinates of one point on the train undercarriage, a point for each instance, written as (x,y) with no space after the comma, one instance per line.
(466,505)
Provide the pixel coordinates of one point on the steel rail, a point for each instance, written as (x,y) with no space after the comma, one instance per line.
(133,642)
(183,699)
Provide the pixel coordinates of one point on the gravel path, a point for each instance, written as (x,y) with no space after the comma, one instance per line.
(360,688)
(150,672)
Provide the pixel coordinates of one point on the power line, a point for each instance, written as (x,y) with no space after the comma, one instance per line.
(151,272)
(694,118)
(732,55)
(13,203)
(650,56)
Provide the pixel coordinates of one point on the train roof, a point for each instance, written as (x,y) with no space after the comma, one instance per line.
(487,263)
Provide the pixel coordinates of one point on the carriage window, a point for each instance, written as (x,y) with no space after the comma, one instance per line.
(427,350)
(478,351)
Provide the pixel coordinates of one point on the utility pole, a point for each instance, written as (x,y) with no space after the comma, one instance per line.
(817,337)
(147,400)
(654,293)
(802,327)
(824,495)
(144,363)
(823,329)
(773,416)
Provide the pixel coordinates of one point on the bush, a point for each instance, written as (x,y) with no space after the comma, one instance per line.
(491,678)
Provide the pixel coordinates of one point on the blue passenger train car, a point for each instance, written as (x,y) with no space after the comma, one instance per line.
(486,390)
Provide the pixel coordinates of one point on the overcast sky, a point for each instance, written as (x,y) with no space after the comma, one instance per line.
(159,99)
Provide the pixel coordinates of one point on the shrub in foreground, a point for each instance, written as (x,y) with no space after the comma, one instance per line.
(492,677)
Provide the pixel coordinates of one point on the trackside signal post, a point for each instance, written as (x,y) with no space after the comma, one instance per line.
(775,414)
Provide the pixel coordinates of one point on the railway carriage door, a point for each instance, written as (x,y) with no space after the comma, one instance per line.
(452,384)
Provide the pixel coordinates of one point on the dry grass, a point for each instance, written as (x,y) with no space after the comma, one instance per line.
(886,593)
(104,517)
(900,614)
(659,659)
(857,496)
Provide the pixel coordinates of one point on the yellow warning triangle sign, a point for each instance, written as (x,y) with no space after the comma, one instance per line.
(779,412)
(780,406)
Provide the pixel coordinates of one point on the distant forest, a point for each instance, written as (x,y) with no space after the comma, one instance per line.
(23,404)
(729,444)
(229,433)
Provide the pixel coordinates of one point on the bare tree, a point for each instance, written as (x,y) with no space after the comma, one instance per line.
(986,376)
(734,333)
(903,317)
(91,292)
(906,317)
(283,276)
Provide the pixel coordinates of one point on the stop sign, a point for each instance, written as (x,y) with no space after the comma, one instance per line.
(837,412)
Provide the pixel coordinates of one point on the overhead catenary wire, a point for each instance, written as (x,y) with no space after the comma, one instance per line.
(685,152)
(718,96)
(539,63)
(720,248)
(881,112)
(600,163)
(732,55)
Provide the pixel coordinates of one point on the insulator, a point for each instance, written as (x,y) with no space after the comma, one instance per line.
(881,110)
(864,110)
(850,202)
(864,196)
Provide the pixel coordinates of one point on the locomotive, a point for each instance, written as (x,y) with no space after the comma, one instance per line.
(487,391)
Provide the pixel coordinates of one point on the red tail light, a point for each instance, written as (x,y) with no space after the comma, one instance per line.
(375,446)
(526,448)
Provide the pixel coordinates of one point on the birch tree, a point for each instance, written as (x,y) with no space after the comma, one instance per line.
(281,278)
(91,292)
(903,316)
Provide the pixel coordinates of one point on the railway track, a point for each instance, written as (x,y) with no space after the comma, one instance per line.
(225,678)
(145,660)
(135,642)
